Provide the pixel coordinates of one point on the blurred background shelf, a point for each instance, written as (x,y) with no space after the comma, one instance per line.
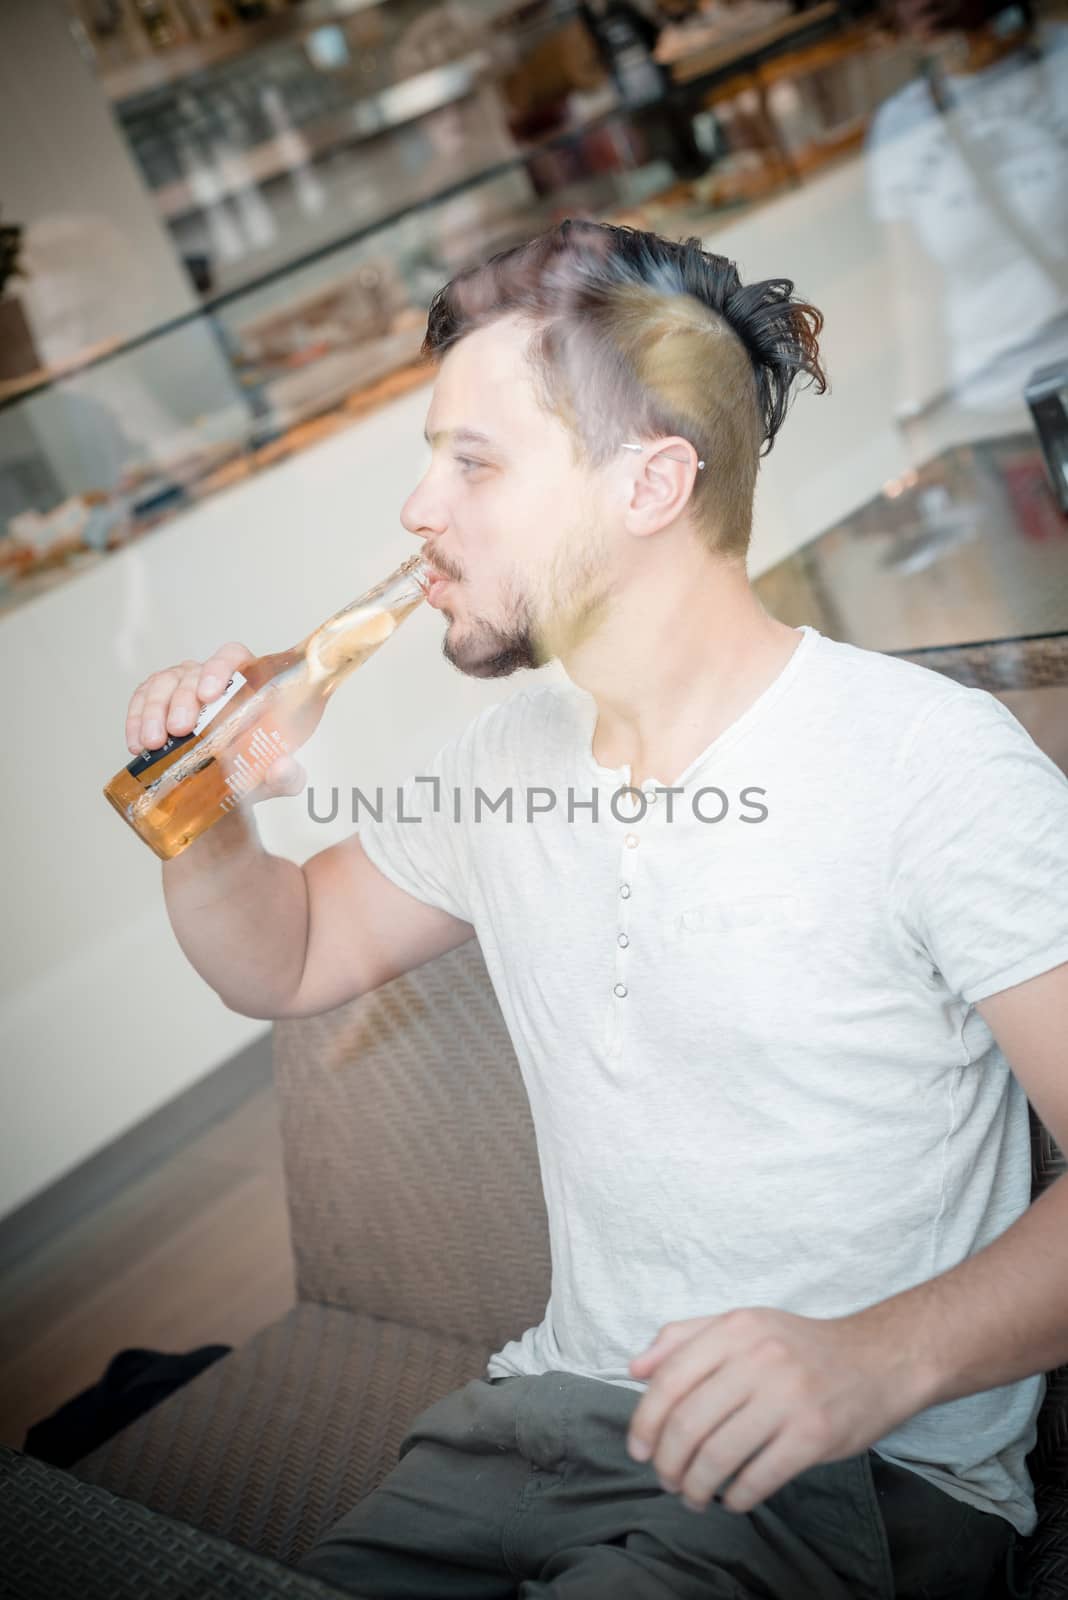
(159,69)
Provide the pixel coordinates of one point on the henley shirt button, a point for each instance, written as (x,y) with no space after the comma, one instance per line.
(631,841)
(620,990)
(624,891)
(623,941)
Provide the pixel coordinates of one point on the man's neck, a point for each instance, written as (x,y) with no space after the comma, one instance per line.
(672,671)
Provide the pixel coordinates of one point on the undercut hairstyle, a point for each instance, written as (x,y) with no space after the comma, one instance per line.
(635,338)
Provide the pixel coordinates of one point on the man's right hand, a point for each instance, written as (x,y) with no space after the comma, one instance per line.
(168,703)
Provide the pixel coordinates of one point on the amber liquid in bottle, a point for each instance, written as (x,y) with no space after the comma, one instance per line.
(271,707)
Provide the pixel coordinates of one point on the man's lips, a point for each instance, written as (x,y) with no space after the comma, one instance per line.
(435,588)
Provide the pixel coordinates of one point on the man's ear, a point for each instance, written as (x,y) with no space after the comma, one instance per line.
(660,482)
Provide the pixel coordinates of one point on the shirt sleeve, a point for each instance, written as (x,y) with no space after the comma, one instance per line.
(416,843)
(981,847)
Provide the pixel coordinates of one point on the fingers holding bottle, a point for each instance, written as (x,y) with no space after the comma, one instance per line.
(168,703)
(285,776)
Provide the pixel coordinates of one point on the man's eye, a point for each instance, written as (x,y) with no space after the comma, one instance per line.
(467,461)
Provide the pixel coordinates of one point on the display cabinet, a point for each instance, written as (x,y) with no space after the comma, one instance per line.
(324,168)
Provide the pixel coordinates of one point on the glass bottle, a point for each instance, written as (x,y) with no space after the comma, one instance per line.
(270,708)
(160,23)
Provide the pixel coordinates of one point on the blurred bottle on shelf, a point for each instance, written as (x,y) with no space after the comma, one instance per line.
(626,38)
(104,20)
(208,18)
(162,23)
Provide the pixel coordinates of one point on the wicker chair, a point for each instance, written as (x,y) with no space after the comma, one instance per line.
(421,1246)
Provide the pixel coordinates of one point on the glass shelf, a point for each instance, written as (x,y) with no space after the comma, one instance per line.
(140,74)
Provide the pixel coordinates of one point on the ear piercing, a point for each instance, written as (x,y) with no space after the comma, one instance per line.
(700,464)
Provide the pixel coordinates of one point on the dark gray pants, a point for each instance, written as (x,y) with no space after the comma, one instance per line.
(522,1489)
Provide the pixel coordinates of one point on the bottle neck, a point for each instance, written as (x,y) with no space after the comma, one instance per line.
(346,639)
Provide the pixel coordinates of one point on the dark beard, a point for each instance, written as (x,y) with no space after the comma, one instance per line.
(494,654)
(491,652)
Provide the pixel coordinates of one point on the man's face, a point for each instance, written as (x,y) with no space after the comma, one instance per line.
(521,530)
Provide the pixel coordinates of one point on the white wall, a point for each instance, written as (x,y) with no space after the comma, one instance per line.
(101,1018)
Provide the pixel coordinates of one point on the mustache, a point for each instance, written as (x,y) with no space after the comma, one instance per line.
(442,567)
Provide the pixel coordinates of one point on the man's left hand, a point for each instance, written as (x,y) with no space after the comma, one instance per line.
(765,1394)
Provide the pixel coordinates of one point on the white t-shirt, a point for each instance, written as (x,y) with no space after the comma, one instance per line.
(755,1069)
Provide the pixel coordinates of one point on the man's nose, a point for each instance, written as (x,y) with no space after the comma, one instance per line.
(419,515)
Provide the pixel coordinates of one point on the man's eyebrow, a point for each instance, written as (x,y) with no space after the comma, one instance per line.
(461,436)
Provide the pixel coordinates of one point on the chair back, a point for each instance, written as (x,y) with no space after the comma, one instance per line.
(411,1166)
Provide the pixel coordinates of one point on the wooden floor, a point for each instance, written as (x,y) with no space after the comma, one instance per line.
(196,1252)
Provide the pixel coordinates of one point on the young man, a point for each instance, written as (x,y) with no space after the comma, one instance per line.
(779,928)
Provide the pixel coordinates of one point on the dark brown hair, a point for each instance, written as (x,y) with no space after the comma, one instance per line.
(637,337)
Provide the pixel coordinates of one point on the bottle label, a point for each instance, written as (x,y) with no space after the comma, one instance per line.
(150,758)
(249,766)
